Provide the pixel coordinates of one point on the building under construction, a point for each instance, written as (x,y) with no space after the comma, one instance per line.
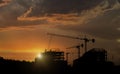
(52,56)
(52,61)
(93,55)
(96,55)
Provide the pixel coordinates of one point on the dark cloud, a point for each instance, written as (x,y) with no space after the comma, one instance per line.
(17,8)
(11,11)
(21,23)
(63,6)
(1,1)
(105,25)
(25,3)
(119,1)
(100,27)
(4,2)
(9,14)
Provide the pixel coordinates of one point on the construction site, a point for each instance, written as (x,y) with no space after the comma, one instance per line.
(81,46)
(95,58)
(53,61)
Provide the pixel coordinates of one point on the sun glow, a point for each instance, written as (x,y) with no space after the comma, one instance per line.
(118,40)
(39,55)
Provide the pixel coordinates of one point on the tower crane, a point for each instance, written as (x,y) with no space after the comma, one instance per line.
(85,39)
(78,47)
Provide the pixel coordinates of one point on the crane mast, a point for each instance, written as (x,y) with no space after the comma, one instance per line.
(78,47)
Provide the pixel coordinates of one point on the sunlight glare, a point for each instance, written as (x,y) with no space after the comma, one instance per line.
(39,55)
(118,40)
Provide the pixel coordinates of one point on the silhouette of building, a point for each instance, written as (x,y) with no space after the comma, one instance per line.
(54,55)
(52,61)
(94,59)
(51,56)
(96,55)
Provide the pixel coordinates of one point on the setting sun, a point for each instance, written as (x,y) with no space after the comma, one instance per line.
(39,55)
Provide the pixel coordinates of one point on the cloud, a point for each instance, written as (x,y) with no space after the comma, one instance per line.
(16,10)
(75,15)
(1,1)
(10,13)
(101,21)
(4,2)
(61,6)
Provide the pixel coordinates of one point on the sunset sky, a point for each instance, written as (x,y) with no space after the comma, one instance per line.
(24,25)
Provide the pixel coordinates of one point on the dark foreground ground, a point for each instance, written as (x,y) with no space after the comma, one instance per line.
(58,67)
